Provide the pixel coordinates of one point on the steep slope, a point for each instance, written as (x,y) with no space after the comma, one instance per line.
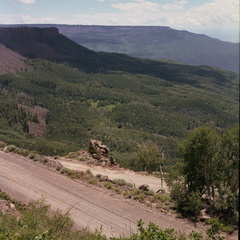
(10,61)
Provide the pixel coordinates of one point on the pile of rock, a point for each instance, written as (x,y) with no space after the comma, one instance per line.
(100,152)
(6,207)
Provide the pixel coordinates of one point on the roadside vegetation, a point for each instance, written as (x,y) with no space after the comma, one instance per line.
(207,179)
(37,221)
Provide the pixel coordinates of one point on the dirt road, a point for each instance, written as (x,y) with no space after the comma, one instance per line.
(129,176)
(89,207)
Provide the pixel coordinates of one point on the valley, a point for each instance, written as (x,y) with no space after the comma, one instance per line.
(57,95)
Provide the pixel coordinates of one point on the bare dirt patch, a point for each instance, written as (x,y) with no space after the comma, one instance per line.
(38,129)
(10,61)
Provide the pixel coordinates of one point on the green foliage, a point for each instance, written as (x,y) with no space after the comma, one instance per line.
(220,225)
(198,152)
(37,221)
(228,172)
(121,182)
(211,167)
(189,204)
(116,107)
(149,157)
(153,232)
(108,185)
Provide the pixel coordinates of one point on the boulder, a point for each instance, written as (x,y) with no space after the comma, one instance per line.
(100,152)
(144,187)
(203,215)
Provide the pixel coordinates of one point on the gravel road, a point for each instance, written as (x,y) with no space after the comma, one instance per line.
(89,207)
(137,179)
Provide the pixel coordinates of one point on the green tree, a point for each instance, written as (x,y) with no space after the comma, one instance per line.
(200,165)
(228,169)
(149,157)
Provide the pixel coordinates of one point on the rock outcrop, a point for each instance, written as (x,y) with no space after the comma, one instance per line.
(144,187)
(100,152)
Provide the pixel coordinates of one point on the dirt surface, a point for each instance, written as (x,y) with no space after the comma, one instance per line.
(38,129)
(137,179)
(10,61)
(90,207)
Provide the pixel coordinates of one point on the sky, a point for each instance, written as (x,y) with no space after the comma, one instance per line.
(215,18)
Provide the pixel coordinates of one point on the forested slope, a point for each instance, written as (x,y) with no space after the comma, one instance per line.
(119,100)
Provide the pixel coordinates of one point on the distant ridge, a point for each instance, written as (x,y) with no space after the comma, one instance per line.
(157,43)
(153,42)
(49,44)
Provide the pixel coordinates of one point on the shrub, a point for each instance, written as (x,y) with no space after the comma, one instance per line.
(162,197)
(108,185)
(2,144)
(92,181)
(11,148)
(88,171)
(189,204)
(31,155)
(121,182)
(117,190)
(140,197)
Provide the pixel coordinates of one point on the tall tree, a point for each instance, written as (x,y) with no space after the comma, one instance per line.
(200,165)
(228,156)
(149,157)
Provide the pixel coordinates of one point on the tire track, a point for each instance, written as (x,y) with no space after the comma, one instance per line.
(89,207)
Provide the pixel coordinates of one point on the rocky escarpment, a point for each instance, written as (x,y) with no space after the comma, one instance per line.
(31,42)
(26,33)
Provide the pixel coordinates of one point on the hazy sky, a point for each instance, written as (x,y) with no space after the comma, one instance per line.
(216,18)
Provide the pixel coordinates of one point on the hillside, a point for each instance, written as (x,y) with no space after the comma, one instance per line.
(10,61)
(119,100)
(153,42)
(157,43)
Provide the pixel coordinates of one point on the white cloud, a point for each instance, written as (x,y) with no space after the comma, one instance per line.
(15,19)
(25,19)
(138,5)
(27,1)
(217,14)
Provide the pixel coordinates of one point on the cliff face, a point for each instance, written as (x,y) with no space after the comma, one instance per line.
(26,33)
(31,42)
